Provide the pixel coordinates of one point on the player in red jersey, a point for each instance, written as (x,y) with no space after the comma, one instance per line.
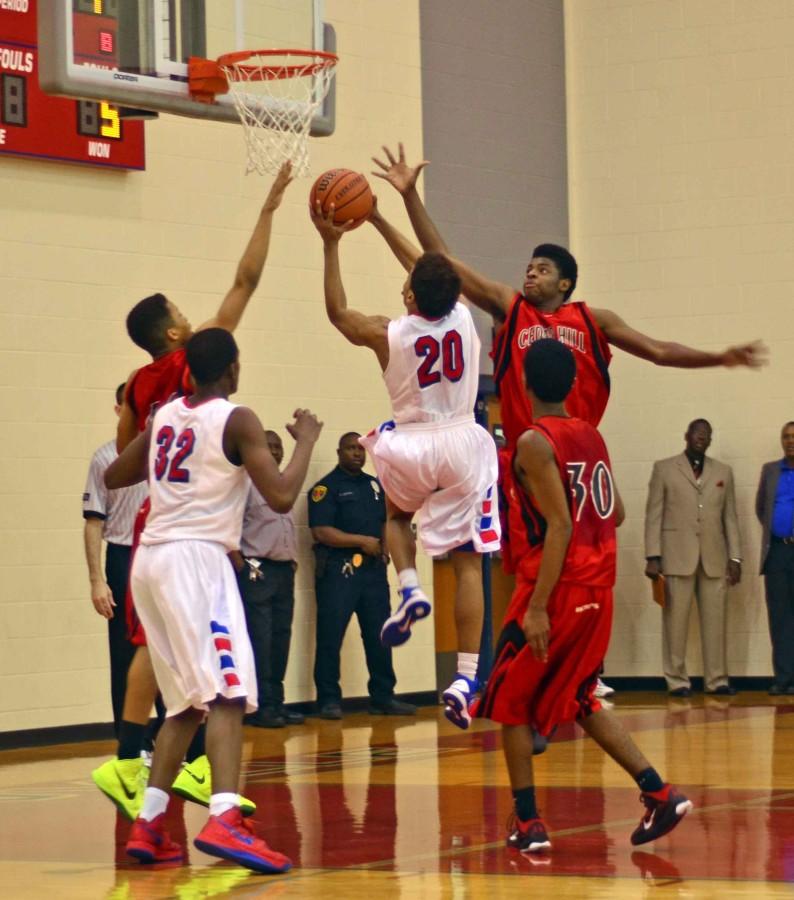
(556,629)
(544,310)
(157,326)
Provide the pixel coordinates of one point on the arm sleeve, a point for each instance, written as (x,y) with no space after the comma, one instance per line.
(322,506)
(730,519)
(653,514)
(760,497)
(95,495)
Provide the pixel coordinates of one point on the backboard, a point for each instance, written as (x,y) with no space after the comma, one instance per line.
(134,52)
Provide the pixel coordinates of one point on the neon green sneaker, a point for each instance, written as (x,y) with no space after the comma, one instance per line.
(124,782)
(194,782)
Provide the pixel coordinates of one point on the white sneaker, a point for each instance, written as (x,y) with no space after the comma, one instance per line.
(603,690)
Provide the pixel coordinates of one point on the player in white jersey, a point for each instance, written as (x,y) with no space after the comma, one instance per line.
(196,452)
(433,459)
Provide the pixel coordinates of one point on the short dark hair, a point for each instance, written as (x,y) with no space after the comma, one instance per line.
(787,425)
(120,393)
(210,353)
(147,322)
(436,285)
(699,422)
(563,259)
(345,436)
(549,370)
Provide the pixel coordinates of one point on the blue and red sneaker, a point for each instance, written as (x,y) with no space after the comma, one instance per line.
(232,837)
(457,698)
(150,842)
(663,811)
(413,606)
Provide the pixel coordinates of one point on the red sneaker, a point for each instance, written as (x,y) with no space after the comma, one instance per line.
(150,842)
(230,836)
(528,837)
(663,811)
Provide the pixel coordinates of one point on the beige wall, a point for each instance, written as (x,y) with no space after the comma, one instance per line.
(78,248)
(682,218)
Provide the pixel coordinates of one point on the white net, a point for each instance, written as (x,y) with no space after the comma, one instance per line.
(276,99)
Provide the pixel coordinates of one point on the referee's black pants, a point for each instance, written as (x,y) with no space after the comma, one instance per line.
(269,603)
(365,593)
(779,583)
(117,569)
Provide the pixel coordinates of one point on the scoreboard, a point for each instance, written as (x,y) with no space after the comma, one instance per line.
(36,125)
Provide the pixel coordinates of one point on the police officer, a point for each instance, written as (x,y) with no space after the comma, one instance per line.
(347,512)
(265,566)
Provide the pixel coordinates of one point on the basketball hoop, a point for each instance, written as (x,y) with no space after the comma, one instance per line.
(275,92)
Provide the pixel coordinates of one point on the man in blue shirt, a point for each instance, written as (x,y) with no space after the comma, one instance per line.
(774,506)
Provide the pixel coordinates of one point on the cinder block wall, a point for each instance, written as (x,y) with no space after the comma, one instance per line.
(680,151)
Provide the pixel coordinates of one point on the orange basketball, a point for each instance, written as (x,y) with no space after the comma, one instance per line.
(348,191)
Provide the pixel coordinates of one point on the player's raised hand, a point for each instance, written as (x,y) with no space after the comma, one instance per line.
(306,426)
(754,355)
(330,232)
(536,630)
(397,172)
(280,182)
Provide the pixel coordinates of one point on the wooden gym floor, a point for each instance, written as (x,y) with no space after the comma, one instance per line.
(404,808)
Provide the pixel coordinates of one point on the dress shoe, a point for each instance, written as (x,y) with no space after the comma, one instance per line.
(291,716)
(267,718)
(724,690)
(330,711)
(392,707)
(681,692)
(777,690)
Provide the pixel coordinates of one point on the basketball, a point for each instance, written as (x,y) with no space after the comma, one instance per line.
(348,191)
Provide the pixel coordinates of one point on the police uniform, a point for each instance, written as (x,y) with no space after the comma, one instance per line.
(348,581)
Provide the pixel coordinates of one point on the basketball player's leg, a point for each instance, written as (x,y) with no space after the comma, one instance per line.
(401,546)
(665,805)
(469,605)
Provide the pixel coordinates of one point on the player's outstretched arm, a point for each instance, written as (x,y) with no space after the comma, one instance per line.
(669,353)
(537,471)
(406,252)
(244,440)
(359,329)
(130,466)
(252,262)
(491,296)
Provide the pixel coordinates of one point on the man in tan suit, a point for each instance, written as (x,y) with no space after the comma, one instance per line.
(692,538)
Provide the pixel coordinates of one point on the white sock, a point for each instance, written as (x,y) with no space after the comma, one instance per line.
(467,664)
(408,578)
(155,803)
(221,803)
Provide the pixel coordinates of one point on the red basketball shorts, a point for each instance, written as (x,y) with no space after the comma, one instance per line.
(135,633)
(522,690)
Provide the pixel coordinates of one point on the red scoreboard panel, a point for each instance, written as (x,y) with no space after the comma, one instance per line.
(32,123)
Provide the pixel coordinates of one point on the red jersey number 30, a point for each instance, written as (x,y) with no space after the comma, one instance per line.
(173,466)
(596,486)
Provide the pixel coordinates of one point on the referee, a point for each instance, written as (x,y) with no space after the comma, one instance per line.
(109,516)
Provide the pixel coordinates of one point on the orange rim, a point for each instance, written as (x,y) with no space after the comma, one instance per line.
(264,72)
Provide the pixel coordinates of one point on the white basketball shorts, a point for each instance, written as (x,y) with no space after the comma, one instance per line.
(187,598)
(445,470)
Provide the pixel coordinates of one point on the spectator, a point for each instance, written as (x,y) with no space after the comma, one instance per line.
(774,506)
(265,566)
(109,516)
(347,513)
(692,539)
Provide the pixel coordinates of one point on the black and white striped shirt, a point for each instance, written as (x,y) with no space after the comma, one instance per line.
(116,508)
